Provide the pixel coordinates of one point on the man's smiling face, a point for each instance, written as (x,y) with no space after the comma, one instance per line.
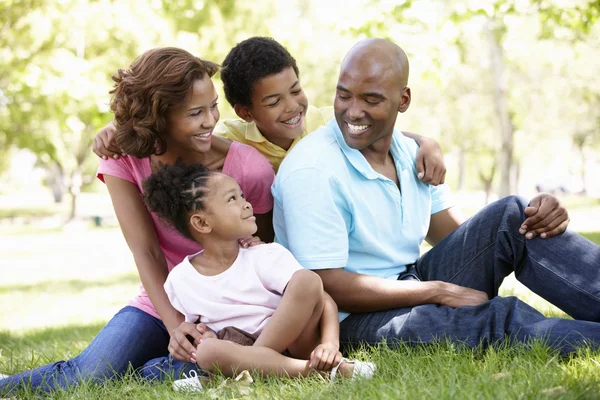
(371,90)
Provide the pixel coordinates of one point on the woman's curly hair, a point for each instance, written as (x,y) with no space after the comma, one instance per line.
(155,82)
(176,190)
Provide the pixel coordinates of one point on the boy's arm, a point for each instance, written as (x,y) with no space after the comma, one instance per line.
(431,168)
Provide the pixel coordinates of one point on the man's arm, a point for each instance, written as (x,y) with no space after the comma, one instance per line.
(360,293)
(444,223)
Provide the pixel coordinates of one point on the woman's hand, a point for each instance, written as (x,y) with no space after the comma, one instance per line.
(184,340)
(324,357)
(205,331)
(250,242)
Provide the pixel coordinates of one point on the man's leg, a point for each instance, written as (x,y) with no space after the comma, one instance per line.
(565,269)
(492,322)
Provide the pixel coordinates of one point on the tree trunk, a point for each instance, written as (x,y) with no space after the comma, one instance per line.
(505,158)
(461,169)
(76,182)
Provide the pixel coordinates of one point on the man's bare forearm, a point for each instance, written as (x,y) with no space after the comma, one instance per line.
(364,293)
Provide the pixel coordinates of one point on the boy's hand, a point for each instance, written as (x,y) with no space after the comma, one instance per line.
(250,242)
(547,217)
(104,143)
(324,357)
(430,163)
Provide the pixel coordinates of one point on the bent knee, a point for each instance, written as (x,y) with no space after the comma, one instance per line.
(307,282)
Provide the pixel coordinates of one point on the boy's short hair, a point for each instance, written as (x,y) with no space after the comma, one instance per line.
(250,61)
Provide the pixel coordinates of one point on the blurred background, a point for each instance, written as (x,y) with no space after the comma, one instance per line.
(508,88)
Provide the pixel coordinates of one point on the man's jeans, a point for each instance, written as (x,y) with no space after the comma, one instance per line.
(565,270)
(131,338)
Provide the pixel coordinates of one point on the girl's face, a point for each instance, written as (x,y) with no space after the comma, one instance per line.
(191,123)
(278,107)
(228,215)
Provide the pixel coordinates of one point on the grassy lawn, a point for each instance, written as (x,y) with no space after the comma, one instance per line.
(59,287)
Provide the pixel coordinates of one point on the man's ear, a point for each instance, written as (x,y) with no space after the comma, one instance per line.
(405,100)
(199,224)
(243,112)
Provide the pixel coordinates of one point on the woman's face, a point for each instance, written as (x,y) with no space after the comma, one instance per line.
(190,124)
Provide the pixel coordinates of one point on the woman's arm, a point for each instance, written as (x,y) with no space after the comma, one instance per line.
(140,236)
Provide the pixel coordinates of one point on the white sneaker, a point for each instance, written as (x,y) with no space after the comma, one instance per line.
(188,384)
(362,369)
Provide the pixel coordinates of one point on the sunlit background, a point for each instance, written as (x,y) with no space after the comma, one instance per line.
(508,88)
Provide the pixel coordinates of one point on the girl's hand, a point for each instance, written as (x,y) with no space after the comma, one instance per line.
(324,357)
(183,342)
(250,242)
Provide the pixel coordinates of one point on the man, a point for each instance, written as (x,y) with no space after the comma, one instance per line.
(348,205)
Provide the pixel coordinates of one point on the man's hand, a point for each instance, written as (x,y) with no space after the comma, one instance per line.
(430,163)
(547,217)
(180,346)
(455,296)
(104,143)
(324,357)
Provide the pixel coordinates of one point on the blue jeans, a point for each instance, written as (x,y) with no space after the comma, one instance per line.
(565,270)
(131,338)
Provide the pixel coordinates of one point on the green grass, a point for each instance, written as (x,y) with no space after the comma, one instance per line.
(52,310)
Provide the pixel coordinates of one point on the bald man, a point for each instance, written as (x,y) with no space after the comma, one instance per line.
(349,206)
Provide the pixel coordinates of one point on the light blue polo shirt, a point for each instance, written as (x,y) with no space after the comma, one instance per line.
(332,210)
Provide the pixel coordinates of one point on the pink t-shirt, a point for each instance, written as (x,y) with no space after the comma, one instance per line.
(244,296)
(246,165)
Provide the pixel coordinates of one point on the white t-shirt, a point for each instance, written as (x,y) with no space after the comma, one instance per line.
(244,296)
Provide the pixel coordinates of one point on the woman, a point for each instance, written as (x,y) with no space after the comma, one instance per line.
(165,108)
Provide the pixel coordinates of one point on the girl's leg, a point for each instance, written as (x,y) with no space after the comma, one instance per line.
(231,358)
(132,337)
(295,323)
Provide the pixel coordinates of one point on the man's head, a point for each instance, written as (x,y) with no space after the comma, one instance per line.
(260,80)
(371,90)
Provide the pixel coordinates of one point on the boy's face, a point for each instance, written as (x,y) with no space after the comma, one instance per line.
(278,107)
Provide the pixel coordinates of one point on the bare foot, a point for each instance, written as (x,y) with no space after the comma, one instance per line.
(346,369)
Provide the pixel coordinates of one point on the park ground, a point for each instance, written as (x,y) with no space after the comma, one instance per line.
(60,285)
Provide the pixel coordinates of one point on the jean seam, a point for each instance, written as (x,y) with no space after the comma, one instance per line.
(552,272)
(471,261)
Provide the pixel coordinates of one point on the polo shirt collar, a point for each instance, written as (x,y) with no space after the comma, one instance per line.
(253,134)
(355,157)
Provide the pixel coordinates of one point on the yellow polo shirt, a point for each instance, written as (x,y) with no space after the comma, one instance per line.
(247,133)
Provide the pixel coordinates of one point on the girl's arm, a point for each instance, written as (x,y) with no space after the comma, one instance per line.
(139,233)
(327,355)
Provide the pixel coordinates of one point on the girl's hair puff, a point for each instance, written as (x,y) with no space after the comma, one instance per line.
(176,190)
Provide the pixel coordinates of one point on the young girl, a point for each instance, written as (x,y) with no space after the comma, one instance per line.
(261,290)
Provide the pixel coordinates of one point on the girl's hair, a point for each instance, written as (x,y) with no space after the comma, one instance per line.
(155,82)
(176,190)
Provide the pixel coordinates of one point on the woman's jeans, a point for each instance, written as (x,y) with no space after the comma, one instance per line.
(565,270)
(132,338)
